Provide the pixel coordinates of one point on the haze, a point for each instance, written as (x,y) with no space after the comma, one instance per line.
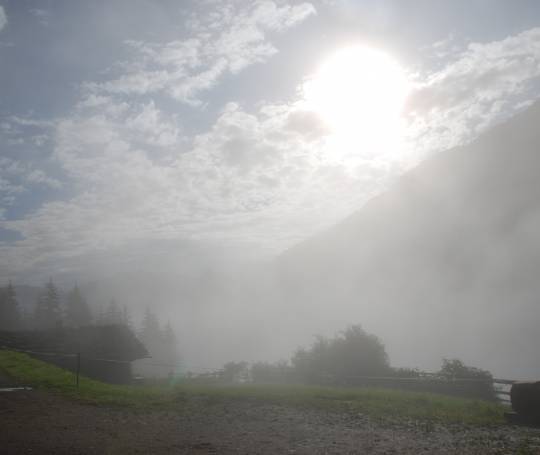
(261,172)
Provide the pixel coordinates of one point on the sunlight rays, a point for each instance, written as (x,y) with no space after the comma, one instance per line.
(359,92)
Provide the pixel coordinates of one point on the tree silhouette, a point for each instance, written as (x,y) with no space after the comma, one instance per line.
(126,316)
(344,358)
(150,330)
(47,313)
(161,345)
(77,309)
(113,315)
(10,315)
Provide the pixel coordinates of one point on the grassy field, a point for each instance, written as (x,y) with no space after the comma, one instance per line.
(377,403)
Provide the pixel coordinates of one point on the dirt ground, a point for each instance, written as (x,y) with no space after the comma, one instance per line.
(45,423)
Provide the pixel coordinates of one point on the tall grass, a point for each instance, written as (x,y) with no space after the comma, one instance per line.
(382,404)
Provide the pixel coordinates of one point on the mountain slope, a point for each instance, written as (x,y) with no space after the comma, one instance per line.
(443,264)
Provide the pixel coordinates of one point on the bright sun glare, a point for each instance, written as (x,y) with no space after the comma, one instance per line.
(360,93)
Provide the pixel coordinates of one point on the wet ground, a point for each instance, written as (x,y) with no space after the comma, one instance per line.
(5,381)
(7,385)
(45,423)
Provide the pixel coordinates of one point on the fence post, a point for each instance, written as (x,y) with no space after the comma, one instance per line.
(78,367)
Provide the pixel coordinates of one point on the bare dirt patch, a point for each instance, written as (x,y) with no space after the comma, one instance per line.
(47,423)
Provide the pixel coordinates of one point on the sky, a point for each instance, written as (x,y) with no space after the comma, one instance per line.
(132,127)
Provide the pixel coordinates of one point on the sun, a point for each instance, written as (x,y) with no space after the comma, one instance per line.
(359,92)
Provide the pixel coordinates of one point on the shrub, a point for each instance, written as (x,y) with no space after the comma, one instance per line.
(468,381)
(344,359)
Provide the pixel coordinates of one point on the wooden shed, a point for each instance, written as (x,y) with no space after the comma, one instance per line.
(106,352)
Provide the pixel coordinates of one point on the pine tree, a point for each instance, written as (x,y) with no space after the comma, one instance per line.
(126,316)
(10,315)
(77,309)
(150,330)
(100,315)
(48,314)
(169,344)
(113,315)
(168,334)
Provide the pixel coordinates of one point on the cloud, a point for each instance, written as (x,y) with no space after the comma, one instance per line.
(485,83)
(25,162)
(18,177)
(251,177)
(25,131)
(43,16)
(266,175)
(245,163)
(38,176)
(227,40)
(3,18)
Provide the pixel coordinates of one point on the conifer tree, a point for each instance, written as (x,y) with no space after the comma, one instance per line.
(126,316)
(113,315)
(161,345)
(47,313)
(77,309)
(150,330)
(10,315)
(100,315)
(169,344)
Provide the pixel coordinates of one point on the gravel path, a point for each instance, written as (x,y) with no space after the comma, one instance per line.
(45,423)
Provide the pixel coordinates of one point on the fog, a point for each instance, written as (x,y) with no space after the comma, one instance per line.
(441,265)
(183,168)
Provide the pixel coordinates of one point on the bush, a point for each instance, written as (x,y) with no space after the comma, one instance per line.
(456,369)
(234,372)
(468,381)
(344,359)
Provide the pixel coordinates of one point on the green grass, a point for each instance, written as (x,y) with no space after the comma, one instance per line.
(381,404)
(29,371)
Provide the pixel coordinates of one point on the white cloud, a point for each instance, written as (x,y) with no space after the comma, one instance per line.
(253,177)
(8,188)
(25,132)
(227,40)
(17,177)
(38,176)
(485,83)
(24,137)
(3,18)
(43,16)
(267,176)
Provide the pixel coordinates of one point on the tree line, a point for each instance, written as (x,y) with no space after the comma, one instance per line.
(51,311)
(355,357)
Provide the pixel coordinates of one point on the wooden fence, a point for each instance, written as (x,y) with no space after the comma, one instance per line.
(488,389)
